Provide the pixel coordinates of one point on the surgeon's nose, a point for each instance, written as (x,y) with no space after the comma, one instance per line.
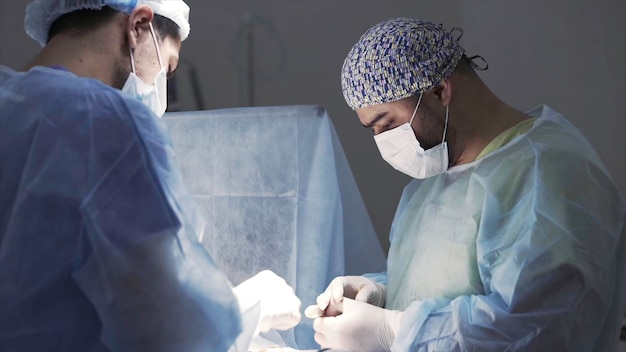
(378,129)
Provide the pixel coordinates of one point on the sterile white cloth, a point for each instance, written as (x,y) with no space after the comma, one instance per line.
(277,193)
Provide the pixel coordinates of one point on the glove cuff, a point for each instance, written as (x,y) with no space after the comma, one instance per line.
(394,320)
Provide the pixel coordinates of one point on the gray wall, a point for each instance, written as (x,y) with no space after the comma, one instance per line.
(570,55)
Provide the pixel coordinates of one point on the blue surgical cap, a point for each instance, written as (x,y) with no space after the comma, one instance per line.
(41,14)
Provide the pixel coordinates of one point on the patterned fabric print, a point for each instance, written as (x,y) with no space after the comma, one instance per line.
(396,59)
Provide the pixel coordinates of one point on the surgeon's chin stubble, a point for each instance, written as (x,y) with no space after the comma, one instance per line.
(432,126)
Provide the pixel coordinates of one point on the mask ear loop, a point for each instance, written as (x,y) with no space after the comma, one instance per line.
(132,60)
(156,44)
(445,128)
(414,111)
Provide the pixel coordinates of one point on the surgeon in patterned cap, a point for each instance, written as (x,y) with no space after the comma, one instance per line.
(511,237)
(392,65)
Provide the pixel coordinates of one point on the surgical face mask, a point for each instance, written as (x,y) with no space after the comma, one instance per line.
(402,150)
(153,96)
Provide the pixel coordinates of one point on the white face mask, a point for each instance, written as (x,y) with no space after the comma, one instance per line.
(153,96)
(402,150)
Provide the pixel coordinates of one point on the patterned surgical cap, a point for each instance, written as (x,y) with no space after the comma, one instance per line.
(397,59)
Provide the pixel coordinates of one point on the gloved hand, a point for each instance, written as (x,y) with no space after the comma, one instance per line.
(360,327)
(280,307)
(358,288)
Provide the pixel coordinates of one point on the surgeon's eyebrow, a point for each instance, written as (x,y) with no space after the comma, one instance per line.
(378,117)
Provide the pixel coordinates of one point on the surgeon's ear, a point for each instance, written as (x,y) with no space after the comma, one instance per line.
(139,24)
(443,92)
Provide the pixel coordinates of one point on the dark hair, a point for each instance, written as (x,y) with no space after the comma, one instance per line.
(164,27)
(81,21)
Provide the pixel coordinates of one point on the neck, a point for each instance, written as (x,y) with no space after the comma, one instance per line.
(482,116)
(85,57)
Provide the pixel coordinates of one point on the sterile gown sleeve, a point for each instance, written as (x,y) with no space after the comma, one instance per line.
(549,251)
(100,202)
(153,285)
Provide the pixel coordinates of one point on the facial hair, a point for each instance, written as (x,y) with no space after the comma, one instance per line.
(122,68)
(431,125)
(120,74)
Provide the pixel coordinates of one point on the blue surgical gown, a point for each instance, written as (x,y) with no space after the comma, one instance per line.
(99,241)
(521,250)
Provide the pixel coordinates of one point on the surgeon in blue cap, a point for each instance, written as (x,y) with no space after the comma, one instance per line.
(511,237)
(99,239)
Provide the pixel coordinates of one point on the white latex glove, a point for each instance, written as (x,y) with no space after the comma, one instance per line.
(280,308)
(360,327)
(358,288)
